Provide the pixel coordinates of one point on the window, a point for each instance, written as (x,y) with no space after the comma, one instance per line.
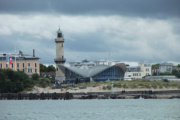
(17,65)
(17,69)
(147,69)
(28,64)
(29,70)
(147,73)
(57,69)
(23,65)
(12,65)
(62,45)
(139,74)
(0,65)
(35,70)
(147,65)
(35,64)
(6,65)
(23,70)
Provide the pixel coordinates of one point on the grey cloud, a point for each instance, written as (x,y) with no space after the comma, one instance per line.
(142,8)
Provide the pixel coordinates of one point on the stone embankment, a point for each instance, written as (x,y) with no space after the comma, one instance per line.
(171,94)
(129,95)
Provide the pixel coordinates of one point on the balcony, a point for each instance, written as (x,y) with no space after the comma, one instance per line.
(60,60)
(29,67)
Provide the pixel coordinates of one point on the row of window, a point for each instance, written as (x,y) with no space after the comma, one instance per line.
(28,70)
(1,65)
(136,74)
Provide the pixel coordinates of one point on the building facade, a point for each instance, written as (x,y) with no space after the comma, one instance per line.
(97,73)
(59,60)
(86,64)
(165,67)
(137,72)
(21,62)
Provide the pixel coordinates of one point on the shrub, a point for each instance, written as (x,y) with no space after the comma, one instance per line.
(104,88)
(147,86)
(43,84)
(35,76)
(160,86)
(154,86)
(133,86)
(108,87)
(125,86)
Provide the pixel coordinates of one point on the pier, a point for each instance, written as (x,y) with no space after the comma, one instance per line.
(169,94)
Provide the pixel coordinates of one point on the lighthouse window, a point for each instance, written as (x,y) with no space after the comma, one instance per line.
(59,34)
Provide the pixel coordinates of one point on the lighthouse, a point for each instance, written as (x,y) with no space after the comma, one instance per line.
(59,60)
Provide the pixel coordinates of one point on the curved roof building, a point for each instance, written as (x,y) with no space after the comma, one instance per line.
(97,73)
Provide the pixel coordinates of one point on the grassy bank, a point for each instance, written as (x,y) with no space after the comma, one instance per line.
(134,84)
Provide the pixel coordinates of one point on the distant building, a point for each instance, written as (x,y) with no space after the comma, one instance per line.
(137,72)
(86,64)
(101,70)
(24,62)
(50,74)
(167,77)
(165,67)
(176,68)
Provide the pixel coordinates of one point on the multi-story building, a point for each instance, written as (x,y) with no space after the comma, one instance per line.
(165,67)
(137,72)
(21,62)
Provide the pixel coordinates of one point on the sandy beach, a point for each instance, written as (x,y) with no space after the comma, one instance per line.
(95,89)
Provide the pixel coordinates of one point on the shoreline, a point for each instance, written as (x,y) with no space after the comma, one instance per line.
(96,89)
(168,94)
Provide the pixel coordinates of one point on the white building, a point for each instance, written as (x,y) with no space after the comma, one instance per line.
(165,67)
(86,64)
(132,72)
(137,72)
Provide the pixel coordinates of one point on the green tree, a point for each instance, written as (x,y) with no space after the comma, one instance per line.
(35,76)
(43,68)
(47,76)
(13,81)
(155,66)
(176,73)
(7,86)
(165,73)
(51,68)
(178,65)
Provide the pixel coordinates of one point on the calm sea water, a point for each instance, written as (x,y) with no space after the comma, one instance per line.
(127,109)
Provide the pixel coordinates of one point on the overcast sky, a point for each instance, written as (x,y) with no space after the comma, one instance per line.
(130,31)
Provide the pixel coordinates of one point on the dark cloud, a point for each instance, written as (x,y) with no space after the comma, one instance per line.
(142,8)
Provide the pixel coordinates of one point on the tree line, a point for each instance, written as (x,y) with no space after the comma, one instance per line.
(18,81)
(50,68)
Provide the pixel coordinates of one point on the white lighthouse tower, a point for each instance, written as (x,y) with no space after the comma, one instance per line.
(60,72)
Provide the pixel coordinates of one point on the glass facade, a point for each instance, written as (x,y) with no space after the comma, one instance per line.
(113,73)
(71,76)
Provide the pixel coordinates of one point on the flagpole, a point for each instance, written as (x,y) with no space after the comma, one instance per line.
(15,57)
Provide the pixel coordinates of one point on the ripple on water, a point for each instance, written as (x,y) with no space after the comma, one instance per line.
(91,109)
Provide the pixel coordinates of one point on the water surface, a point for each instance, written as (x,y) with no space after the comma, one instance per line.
(122,109)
